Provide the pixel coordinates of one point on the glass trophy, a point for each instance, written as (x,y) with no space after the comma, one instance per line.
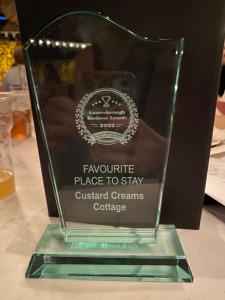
(105,100)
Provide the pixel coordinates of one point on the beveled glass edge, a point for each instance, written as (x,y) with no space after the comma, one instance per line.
(179,52)
(57,231)
(44,138)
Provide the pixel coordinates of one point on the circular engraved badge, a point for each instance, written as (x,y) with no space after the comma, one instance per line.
(107,116)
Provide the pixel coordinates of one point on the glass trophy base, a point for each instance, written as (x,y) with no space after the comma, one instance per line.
(163,261)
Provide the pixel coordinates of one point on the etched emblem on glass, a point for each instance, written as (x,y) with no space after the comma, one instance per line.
(107,116)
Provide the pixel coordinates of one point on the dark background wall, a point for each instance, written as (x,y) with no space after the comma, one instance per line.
(202,24)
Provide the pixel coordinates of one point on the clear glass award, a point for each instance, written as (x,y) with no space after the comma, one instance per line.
(105,99)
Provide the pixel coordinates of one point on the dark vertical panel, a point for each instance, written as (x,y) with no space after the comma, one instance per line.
(202,24)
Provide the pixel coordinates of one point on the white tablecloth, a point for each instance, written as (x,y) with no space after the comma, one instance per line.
(23,219)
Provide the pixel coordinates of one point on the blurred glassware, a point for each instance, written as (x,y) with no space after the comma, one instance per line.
(7,183)
(21,114)
(221,105)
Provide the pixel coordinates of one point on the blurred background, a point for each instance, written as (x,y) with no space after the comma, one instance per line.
(9,35)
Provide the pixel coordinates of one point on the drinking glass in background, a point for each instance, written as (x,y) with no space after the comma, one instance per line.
(7,183)
(21,114)
(219,123)
(221,105)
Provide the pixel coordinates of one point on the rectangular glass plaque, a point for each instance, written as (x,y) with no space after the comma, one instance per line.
(105,99)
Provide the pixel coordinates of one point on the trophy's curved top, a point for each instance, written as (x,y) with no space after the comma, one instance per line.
(99,17)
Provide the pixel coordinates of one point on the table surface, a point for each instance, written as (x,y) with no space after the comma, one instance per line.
(23,219)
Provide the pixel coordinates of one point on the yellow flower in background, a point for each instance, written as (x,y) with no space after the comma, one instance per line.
(7,49)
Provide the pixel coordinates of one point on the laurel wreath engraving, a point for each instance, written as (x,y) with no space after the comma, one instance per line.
(132,110)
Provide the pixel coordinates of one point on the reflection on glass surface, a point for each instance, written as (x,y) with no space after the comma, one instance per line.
(105,99)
